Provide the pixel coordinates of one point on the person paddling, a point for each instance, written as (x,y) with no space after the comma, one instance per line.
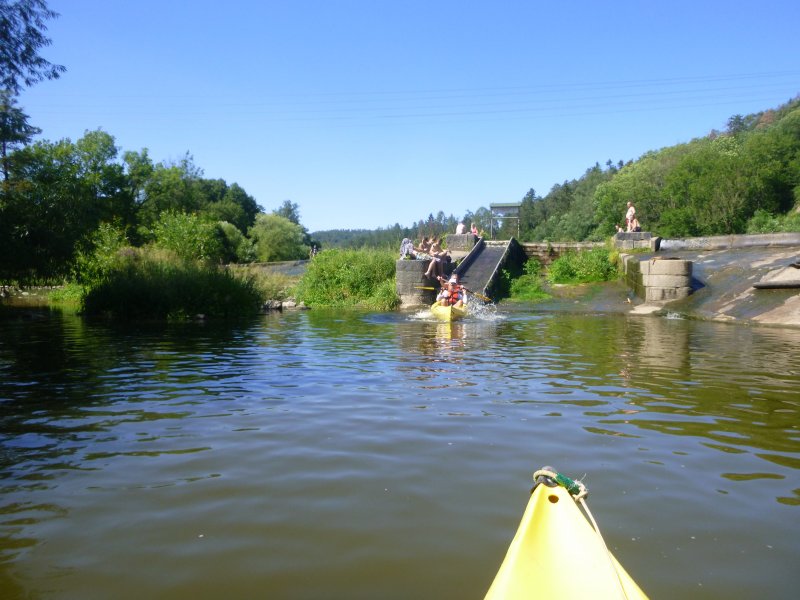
(452,294)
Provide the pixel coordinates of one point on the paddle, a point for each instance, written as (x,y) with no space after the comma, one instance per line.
(476,294)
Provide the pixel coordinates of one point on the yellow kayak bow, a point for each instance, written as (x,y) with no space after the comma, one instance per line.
(448,313)
(556,553)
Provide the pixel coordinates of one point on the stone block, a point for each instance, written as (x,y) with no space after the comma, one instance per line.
(657,294)
(670,267)
(463,242)
(666,281)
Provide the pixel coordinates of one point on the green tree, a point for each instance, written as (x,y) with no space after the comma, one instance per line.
(60,193)
(288,210)
(22,35)
(236,247)
(189,236)
(234,206)
(277,238)
(170,188)
(14,129)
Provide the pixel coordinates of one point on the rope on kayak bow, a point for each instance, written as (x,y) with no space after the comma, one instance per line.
(576,489)
(578,492)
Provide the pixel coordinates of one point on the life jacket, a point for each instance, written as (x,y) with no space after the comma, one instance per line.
(455,296)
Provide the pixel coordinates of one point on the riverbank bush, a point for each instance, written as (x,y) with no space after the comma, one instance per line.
(528,286)
(766,222)
(157,285)
(588,266)
(350,278)
(272,285)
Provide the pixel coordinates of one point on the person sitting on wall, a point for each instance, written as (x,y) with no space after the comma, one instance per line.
(460,228)
(407,249)
(437,259)
(635,225)
(423,250)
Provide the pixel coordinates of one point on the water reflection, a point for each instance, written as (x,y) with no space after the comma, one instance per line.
(267,432)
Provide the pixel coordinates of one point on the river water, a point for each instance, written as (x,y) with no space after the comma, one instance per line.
(359,455)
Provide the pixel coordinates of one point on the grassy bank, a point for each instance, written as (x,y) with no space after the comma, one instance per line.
(149,283)
(589,266)
(152,283)
(350,278)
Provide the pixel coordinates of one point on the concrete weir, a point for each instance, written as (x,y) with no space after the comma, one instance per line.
(410,283)
(658,280)
(479,266)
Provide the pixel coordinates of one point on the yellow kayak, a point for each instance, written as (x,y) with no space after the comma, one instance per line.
(448,313)
(557,554)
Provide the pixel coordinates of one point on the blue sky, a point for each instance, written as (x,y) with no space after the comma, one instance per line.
(370,113)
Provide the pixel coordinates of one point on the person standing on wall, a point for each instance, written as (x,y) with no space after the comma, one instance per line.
(630,215)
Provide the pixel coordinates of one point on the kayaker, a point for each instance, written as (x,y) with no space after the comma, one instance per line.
(451,294)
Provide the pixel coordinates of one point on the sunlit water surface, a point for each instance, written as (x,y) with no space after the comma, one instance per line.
(328,455)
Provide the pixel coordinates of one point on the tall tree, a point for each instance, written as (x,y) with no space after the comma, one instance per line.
(22,35)
(289,210)
(277,238)
(14,129)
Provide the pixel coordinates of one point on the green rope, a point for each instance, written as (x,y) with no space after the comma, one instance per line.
(575,488)
(571,485)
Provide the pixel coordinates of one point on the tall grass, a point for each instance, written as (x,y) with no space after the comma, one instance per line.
(273,285)
(157,285)
(528,286)
(350,278)
(587,266)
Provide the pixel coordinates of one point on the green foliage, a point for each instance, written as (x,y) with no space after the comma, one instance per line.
(528,287)
(189,236)
(236,247)
(57,194)
(272,285)
(390,237)
(567,213)
(15,131)
(276,238)
(765,222)
(101,252)
(583,267)
(68,296)
(288,210)
(152,285)
(22,37)
(350,278)
(713,185)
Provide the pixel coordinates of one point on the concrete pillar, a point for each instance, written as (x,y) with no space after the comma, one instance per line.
(409,281)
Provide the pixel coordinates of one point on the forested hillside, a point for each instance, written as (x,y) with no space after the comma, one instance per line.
(745,179)
(727,182)
(390,236)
